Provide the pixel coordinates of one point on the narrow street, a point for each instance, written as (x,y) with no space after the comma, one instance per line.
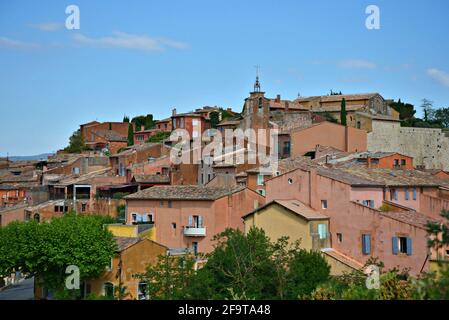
(20,291)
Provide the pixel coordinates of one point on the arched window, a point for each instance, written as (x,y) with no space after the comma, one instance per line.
(37,217)
(108,290)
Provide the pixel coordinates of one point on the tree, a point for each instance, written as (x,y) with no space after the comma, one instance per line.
(170,278)
(45,250)
(146,122)
(158,137)
(406,111)
(130,135)
(428,110)
(214,119)
(432,285)
(125,118)
(343,112)
(441,116)
(76,143)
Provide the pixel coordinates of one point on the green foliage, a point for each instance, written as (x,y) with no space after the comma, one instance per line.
(406,110)
(130,135)
(146,121)
(214,119)
(343,112)
(76,143)
(242,266)
(328,116)
(119,195)
(332,93)
(47,249)
(121,213)
(441,117)
(126,119)
(158,137)
(170,278)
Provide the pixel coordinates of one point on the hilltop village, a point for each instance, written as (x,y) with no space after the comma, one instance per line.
(353,188)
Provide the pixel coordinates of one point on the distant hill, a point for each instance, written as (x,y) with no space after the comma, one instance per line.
(42,156)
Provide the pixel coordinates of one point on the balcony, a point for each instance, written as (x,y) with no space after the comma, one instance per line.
(194,231)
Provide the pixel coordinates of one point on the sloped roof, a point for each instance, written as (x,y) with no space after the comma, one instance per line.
(184,192)
(110,135)
(352,263)
(294,206)
(125,242)
(151,178)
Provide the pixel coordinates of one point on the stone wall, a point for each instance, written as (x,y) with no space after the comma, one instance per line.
(428,147)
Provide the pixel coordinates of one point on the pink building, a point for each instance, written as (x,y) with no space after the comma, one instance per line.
(352,198)
(190,216)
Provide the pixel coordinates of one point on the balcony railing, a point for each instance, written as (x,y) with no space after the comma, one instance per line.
(194,231)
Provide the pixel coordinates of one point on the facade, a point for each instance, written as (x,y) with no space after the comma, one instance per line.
(194,123)
(189,216)
(428,147)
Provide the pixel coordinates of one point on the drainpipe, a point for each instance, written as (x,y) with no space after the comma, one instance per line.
(346,139)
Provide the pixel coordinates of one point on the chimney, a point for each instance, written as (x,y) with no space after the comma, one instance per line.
(286,105)
(173,112)
(278,98)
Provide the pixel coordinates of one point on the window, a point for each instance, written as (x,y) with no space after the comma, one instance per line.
(403,162)
(83,207)
(142,291)
(174,124)
(407,196)
(108,290)
(173,225)
(339,237)
(366,244)
(322,231)
(290,181)
(414,193)
(393,194)
(368,203)
(134,217)
(150,218)
(195,247)
(396,162)
(260,179)
(286,150)
(76,170)
(261,192)
(260,107)
(162,204)
(402,245)
(359,125)
(37,217)
(181,123)
(323,204)
(169,204)
(194,122)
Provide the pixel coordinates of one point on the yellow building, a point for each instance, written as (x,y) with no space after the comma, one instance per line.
(296,220)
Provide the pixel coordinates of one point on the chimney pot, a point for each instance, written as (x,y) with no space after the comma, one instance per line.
(173,112)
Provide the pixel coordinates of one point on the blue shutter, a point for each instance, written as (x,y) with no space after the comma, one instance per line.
(396,195)
(406,194)
(366,244)
(200,221)
(414,194)
(395,245)
(190,221)
(409,246)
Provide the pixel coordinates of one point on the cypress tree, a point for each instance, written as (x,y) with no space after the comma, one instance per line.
(130,135)
(343,112)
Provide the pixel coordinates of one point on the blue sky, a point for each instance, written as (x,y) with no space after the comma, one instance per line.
(138,57)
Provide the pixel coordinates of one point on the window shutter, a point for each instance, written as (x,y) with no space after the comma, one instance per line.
(200,221)
(366,244)
(406,194)
(190,221)
(395,245)
(409,246)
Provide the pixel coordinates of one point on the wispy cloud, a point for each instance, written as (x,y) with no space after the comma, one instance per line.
(439,75)
(9,43)
(356,64)
(48,26)
(130,41)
